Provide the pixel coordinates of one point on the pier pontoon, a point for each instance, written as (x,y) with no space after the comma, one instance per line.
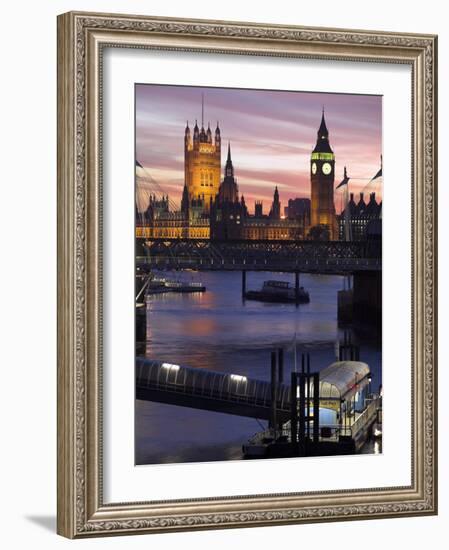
(347,413)
(347,408)
(160,285)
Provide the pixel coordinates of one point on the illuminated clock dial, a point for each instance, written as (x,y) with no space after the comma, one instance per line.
(327,168)
(313,167)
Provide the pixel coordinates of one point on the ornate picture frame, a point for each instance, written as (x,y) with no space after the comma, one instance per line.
(82,38)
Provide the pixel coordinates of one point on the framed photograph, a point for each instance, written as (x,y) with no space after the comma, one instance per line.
(246,274)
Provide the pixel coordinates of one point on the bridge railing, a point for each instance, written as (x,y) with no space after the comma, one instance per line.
(208,384)
(333,265)
(205,254)
(310,249)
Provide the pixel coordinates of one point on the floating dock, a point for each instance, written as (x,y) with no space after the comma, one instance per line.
(341,393)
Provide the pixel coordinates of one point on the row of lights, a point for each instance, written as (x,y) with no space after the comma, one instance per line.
(234,377)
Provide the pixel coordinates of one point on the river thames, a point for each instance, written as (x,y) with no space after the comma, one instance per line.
(214,330)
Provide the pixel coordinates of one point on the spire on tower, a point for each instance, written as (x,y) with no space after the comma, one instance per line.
(196,133)
(202,110)
(323,132)
(229,191)
(243,205)
(322,142)
(185,200)
(275,212)
(229,169)
(187,138)
(209,133)
(217,137)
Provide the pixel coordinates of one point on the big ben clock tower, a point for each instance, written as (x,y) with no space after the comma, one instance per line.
(322,175)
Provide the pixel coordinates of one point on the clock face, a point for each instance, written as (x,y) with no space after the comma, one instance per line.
(313,167)
(327,168)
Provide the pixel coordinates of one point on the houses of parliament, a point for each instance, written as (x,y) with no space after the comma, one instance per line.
(212,207)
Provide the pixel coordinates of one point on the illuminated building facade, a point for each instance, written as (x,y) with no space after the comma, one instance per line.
(211,208)
(202,163)
(322,175)
(161,223)
(359,215)
(229,218)
(299,210)
(267,229)
(227,213)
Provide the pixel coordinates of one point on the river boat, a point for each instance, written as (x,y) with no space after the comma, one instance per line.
(161,285)
(278,292)
(349,416)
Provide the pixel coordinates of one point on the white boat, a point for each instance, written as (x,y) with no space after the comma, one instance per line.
(349,414)
(159,285)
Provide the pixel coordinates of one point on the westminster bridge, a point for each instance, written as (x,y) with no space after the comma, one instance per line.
(324,257)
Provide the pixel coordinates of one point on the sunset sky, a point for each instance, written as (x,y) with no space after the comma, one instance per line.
(272,134)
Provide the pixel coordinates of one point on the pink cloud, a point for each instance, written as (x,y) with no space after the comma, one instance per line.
(272,134)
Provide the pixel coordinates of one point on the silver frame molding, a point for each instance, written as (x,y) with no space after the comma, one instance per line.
(81,38)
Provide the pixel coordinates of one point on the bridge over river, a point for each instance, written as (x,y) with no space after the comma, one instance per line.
(208,390)
(333,257)
(237,394)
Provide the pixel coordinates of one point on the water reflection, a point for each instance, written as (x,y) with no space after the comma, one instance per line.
(215,330)
(372,446)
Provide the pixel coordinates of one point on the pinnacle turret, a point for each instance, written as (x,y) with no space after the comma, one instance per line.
(229,168)
(322,142)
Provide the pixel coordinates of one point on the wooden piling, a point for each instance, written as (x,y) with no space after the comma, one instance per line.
(294,411)
(308,396)
(297,287)
(280,379)
(281,365)
(273,420)
(302,405)
(243,284)
(316,407)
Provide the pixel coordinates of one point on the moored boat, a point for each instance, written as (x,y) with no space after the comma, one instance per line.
(160,285)
(278,292)
(349,415)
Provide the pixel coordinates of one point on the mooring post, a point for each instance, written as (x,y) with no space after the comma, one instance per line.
(316,407)
(340,415)
(273,393)
(281,365)
(243,284)
(280,379)
(302,405)
(141,330)
(294,410)
(346,417)
(297,287)
(308,397)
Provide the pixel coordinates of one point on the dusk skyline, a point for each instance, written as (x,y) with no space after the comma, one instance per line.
(272,134)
